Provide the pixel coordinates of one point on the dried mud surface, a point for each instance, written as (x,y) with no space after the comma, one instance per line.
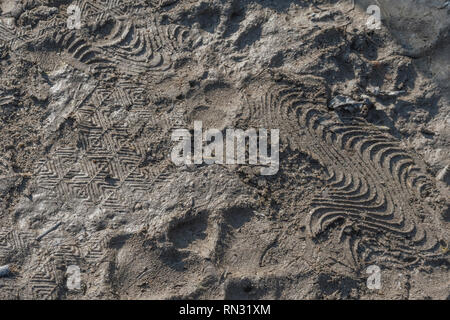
(85,123)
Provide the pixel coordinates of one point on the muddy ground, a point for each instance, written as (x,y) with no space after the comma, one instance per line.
(88,190)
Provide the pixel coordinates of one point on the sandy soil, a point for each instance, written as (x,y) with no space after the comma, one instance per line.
(88,191)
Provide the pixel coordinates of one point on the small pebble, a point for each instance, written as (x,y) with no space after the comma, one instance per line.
(4,271)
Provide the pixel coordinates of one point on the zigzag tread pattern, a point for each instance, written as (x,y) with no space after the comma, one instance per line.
(44,282)
(12,241)
(105,167)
